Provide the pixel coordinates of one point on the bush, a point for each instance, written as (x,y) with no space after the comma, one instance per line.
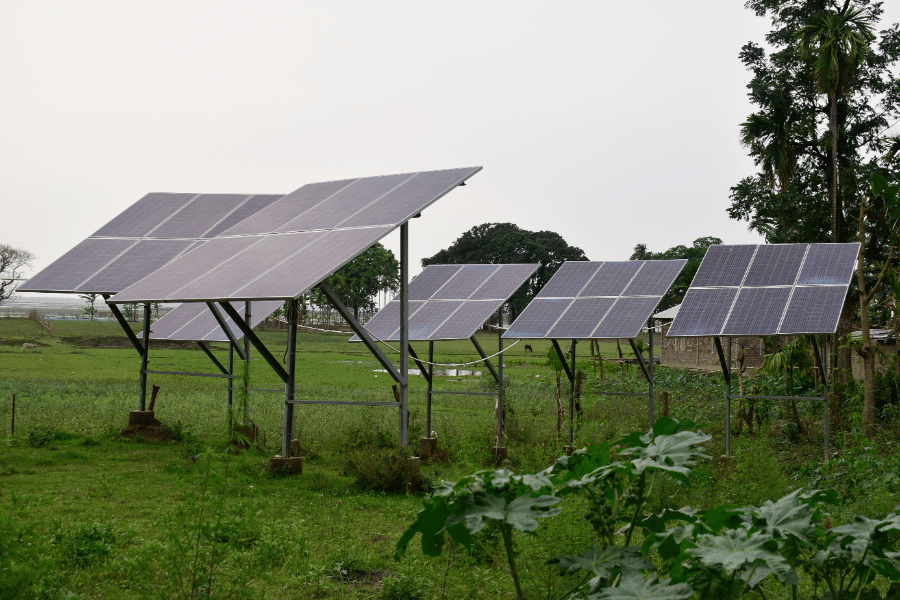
(40,436)
(380,469)
(85,545)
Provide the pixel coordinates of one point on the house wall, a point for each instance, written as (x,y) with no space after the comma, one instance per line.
(700,353)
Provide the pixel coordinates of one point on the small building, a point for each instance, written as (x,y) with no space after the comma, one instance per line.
(700,352)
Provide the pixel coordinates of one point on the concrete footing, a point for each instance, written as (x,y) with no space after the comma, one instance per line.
(427,446)
(296,448)
(499,453)
(292,464)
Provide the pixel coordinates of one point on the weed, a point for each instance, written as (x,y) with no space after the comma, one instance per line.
(403,587)
(85,545)
(380,469)
(41,436)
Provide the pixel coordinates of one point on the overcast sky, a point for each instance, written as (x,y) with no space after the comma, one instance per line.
(610,123)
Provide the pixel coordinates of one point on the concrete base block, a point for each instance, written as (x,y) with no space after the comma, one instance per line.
(427,446)
(499,453)
(141,417)
(293,464)
(296,448)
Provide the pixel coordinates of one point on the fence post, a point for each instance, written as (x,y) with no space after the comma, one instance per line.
(13,425)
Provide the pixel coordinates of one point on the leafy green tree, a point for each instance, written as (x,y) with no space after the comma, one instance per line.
(506,243)
(358,282)
(694,255)
(90,310)
(13,261)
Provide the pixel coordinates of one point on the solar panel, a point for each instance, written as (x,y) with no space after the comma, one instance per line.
(612,278)
(193,321)
(313,207)
(445,308)
(465,282)
(767,290)
(155,230)
(757,311)
(598,300)
(776,264)
(252,205)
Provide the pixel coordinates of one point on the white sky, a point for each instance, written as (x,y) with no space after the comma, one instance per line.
(608,123)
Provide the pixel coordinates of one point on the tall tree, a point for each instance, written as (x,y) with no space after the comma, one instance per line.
(13,262)
(694,255)
(358,282)
(836,43)
(505,243)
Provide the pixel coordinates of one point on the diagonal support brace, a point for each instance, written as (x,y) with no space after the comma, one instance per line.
(487,361)
(212,357)
(248,333)
(726,368)
(128,331)
(232,339)
(562,359)
(640,360)
(422,367)
(361,332)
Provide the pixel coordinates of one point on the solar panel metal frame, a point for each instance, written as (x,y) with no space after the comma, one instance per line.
(561,311)
(821,266)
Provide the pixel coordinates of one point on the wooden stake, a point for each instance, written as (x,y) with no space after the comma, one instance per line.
(153,397)
(665,399)
(13,425)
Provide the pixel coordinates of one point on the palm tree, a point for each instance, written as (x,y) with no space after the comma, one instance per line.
(836,43)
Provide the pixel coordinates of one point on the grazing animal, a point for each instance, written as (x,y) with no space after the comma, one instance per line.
(27,346)
(528,348)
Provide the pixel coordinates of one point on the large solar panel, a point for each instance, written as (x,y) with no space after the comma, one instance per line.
(194,322)
(772,289)
(146,236)
(450,302)
(596,300)
(322,226)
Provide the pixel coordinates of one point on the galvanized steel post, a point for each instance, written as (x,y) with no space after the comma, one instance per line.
(247,365)
(572,398)
(501,394)
(145,358)
(728,402)
(289,384)
(430,388)
(230,387)
(404,330)
(650,368)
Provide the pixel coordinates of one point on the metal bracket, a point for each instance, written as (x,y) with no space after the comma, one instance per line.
(226,329)
(212,357)
(640,360)
(360,331)
(128,331)
(562,359)
(487,361)
(248,333)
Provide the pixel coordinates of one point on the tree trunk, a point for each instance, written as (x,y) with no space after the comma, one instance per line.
(836,236)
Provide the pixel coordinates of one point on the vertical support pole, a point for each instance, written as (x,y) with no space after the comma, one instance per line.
(572,399)
(825,395)
(728,403)
(12,424)
(145,358)
(501,395)
(404,330)
(289,384)
(650,369)
(246,383)
(430,388)
(230,389)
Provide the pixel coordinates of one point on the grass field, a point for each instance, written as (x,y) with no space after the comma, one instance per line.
(105,517)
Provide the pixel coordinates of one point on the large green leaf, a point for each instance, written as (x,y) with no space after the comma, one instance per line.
(635,587)
(603,563)
(787,516)
(675,454)
(739,552)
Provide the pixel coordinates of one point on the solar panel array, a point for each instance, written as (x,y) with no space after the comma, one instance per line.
(775,289)
(285,249)
(596,300)
(450,302)
(149,234)
(193,322)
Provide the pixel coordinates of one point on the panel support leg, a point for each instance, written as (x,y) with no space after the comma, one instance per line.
(501,396)
(289,384)
(404,331)
(145,358)
(822,363)
(572,398)
(726,372)
(246,396)
(230,388)
(650,368)
(430,379)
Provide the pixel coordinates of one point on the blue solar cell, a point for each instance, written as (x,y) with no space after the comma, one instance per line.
(776,264)
(537,318)
(465,282)
(430,317)
(723,266)
(462,324)
(814,310)
(626,317)
(703,312)
(612,278)
(581,318)
(430,280)
(411,198)
(504,282)
(144,215)
(569,279)
(829,264)
(757,311)
(655,278)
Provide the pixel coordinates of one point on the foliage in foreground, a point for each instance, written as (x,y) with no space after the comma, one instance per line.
(785,546)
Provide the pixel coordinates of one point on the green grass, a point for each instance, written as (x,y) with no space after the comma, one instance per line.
(320,534)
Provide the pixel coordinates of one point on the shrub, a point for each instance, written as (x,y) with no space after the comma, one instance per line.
(85,545)
(403,587)
(380,469)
